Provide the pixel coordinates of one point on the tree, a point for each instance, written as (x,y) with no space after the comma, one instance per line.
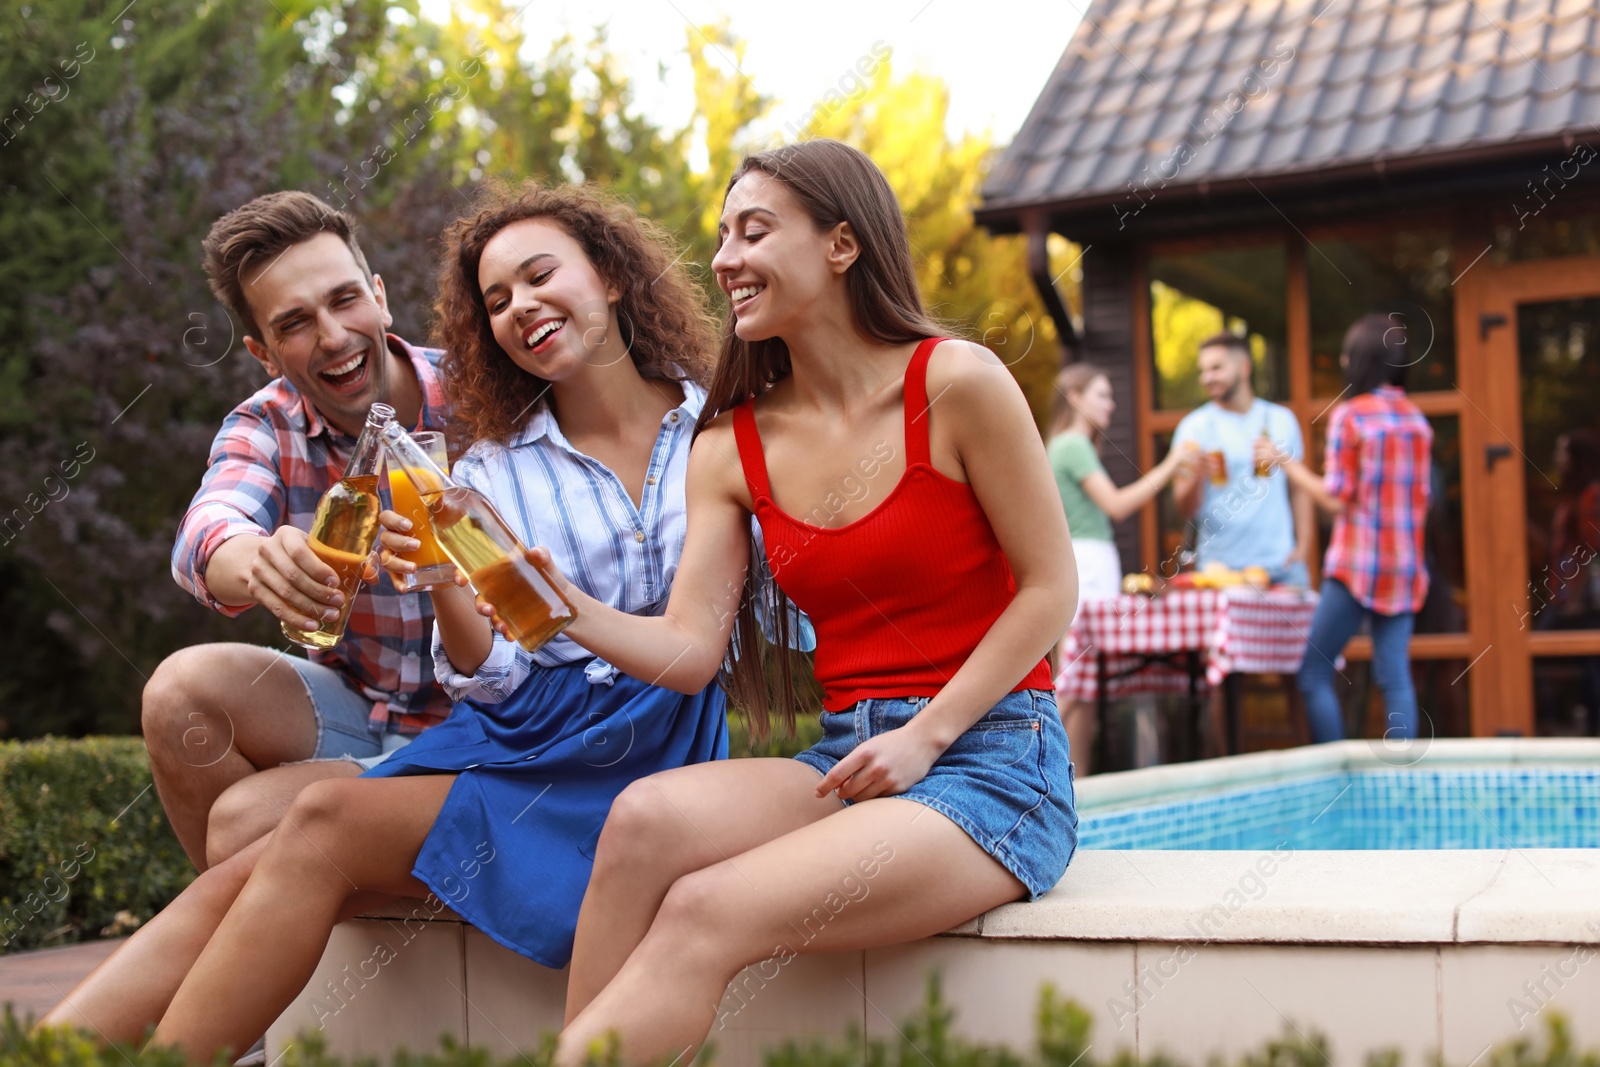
(136,126)
(975,281)
(117,364)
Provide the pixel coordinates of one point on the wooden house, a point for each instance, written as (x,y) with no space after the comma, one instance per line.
(1281,167)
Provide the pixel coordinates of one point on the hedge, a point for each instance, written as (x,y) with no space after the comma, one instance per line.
(85,850)
(1061,1039)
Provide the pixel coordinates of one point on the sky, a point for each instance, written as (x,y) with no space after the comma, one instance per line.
(995,56)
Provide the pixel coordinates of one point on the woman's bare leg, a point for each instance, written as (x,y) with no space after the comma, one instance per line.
(1079,718)
(881,872)
(131,988)
(666,825)
(340,837)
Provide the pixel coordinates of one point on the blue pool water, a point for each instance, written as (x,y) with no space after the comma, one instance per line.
(1474,807)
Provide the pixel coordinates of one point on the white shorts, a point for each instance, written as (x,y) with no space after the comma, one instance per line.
(1099,569)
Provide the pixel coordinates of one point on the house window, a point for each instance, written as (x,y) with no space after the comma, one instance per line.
(1403,273)
(1198,294)
(1537,225)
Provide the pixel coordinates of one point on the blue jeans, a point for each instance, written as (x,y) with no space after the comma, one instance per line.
(1339,615)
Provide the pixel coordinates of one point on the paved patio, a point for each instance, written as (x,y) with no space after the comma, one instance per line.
(34,982)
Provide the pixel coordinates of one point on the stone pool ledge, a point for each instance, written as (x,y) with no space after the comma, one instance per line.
(1391,896)
(1197,954)
(1518,896)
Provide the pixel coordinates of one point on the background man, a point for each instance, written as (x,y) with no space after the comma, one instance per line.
(1248,521)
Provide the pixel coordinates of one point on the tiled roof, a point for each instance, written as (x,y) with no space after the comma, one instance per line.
(1257,88)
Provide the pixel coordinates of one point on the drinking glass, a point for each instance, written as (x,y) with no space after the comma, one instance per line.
(433,565)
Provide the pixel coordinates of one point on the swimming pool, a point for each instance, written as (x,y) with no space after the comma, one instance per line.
(1419,807)
(1385,896)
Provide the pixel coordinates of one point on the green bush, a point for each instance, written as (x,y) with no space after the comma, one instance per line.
(808,731)
(84,847)
(1061,1039)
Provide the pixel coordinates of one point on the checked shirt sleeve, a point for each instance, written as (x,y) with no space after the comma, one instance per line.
(242,492)
(1341,472)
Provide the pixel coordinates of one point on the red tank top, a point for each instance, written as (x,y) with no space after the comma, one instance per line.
(900,597)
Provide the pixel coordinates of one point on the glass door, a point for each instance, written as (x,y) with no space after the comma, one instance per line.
(1536,429)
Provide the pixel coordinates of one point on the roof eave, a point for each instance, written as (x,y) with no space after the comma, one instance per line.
(1005,217)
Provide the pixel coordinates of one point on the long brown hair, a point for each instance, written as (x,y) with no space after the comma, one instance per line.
(661,312)
(1073,379)
(834,183)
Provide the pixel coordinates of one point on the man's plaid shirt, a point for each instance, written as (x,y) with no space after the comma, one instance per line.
(270,463)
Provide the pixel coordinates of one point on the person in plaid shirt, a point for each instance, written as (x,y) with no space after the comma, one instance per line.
(236,730)
(1379,457)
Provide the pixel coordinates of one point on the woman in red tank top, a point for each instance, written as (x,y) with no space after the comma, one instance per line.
(907,507)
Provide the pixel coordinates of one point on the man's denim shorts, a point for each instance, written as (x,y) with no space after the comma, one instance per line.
(1007,781)
(343,732)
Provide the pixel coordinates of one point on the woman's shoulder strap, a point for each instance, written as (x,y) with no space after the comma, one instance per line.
(916,390)
(751,458)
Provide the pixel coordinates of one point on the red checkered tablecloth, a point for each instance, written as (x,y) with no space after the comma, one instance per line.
(1239,630)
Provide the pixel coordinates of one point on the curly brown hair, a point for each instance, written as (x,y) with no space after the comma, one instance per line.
(661,313)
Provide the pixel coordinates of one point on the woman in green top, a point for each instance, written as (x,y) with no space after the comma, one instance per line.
(1093,502)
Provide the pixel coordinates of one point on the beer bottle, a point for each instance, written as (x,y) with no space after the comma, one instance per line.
(1264,468)
(479,542)
(346,526)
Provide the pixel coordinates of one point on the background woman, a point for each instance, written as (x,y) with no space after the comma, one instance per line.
(1376,485)
(573,343)
(1566,592)
(941,787)
(1092,502)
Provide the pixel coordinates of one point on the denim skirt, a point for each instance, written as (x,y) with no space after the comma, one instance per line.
(1007,781)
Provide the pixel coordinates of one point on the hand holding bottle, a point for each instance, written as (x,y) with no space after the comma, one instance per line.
(539,559)
(1180,459)
(290,581)
(1268,456)
(525,600)
(344,532)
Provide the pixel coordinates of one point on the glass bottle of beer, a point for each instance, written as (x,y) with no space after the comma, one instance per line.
(480,543)
(346,526)
(1264,469)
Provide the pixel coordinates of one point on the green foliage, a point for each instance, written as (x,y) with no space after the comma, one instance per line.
(117,364)
(84,847)
(929,1039)
(740,744)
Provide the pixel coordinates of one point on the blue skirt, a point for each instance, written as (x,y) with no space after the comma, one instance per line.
(513,846)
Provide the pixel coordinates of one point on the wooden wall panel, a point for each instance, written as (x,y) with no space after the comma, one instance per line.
(1108,329)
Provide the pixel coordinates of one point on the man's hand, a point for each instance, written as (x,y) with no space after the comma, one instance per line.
(1268,454)
(288,579)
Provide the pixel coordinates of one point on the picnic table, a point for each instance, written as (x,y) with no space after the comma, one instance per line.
(1183,641)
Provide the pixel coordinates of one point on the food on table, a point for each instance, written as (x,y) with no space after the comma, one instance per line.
(1139,584)
(1215,575)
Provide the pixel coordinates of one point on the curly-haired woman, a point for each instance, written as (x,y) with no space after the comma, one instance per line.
(575,348)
